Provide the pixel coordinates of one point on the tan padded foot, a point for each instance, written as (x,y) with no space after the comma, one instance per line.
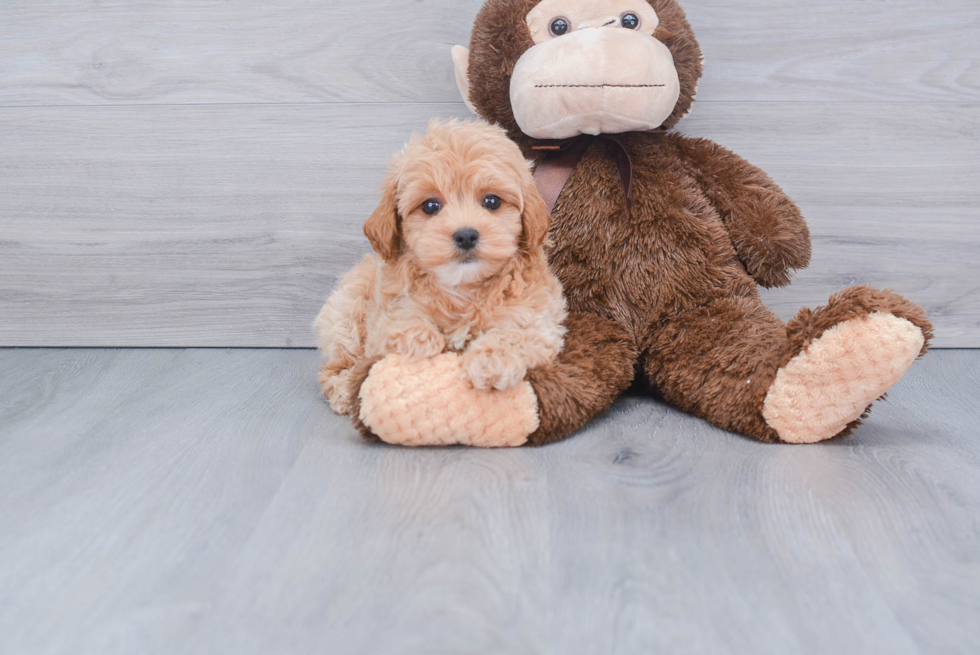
(830,384)
(430,402)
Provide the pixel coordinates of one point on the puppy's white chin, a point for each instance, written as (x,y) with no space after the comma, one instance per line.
(455,274)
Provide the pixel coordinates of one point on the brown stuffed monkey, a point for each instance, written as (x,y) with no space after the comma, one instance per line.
(660,242)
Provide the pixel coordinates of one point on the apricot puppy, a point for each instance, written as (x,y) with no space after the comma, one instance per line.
(460,267)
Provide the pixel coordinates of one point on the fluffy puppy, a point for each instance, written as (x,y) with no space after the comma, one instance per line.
(460,267)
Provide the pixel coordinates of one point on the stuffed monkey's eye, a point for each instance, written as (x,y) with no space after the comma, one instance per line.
(431,206)
(559,26)
(630,20)
(492,203)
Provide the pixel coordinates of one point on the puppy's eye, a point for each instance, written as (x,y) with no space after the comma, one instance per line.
(559,26)
(630,20)
(492,203)
(431,206)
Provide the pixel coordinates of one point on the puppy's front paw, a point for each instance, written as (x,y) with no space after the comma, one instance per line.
(417,342)
(488,368)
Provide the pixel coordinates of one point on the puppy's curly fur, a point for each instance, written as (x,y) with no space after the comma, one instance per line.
(423,294)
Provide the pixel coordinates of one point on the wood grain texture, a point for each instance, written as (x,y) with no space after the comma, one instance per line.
(228,226)
(192,52)
(208,501)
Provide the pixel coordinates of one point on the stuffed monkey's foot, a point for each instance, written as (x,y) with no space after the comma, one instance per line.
(431,402)
(830,384)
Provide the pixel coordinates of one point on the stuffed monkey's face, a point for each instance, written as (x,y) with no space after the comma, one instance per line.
(595,67)
(553,69)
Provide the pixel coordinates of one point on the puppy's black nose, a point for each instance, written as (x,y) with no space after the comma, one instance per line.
(466,238)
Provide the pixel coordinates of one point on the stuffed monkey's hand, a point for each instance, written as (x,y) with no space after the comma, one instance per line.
(416,341)
(489,366)
(766,227)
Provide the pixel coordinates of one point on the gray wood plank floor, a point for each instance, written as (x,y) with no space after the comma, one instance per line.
(183,501)
(196,174)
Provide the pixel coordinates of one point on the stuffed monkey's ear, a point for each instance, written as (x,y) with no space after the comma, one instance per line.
(381,228)
(536,218)
(461,61)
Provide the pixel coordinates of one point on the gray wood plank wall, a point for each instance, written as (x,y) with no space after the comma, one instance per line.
(196,173)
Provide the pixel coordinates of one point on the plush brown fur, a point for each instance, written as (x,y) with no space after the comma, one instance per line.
(568,395)
(673,279)
(667,284)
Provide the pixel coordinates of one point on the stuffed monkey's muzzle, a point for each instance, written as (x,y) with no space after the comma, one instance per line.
(594,81)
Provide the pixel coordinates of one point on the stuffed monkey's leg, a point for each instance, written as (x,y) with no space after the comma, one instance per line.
(733,362)
(595,366)
(718,361)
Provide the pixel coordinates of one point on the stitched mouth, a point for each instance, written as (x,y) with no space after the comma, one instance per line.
(598,86)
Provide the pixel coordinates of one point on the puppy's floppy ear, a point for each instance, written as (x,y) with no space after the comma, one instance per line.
(381,228)
(536,218)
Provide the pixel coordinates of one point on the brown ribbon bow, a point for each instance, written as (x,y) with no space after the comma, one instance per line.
(552,172)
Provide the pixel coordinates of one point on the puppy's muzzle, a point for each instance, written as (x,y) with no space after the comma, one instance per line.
(466,239)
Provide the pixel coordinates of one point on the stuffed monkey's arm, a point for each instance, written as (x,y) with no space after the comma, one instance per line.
(767,229)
